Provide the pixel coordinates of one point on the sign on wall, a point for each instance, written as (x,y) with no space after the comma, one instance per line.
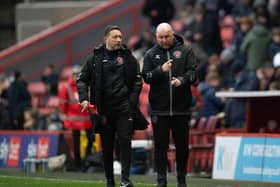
(247,158)
(16,146)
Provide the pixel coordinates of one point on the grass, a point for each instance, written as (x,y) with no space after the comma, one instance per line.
(17,178)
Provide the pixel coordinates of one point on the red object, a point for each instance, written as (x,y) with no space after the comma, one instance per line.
(69,105)
(92,109)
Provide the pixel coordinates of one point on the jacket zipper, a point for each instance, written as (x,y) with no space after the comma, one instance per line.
(170,88)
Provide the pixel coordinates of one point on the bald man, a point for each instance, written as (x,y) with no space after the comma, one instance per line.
(170,69)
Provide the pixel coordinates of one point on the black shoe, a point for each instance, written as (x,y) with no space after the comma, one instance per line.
(110,183)
(126,184)
(162,184)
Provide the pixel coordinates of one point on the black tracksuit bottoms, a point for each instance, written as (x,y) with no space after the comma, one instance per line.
(122,127)
(161,130)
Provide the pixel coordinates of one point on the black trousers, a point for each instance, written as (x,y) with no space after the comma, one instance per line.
(161,131)
(122,127)
(76,140)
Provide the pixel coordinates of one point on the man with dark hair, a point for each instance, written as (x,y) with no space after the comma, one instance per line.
(19,99)
(170,69)
(111,74)
(158,11)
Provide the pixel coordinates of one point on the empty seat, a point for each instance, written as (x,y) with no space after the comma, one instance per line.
(38,91)
(37,88)
(52,105)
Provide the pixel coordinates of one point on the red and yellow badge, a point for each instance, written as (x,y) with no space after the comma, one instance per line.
(120,60)
(177,54)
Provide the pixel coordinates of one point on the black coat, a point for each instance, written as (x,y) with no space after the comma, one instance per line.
(165,11)
(90,81)
(163,100)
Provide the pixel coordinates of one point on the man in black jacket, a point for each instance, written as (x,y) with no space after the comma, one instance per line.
(170,69)
(114,83)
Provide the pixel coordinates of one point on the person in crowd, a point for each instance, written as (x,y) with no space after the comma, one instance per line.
(158,11)
(245,25)
(33,120)
(256,41)
(211,105)
(5,122)
(274,46)
(50,78)
(73,118)
(170,69)
(111,73)
(244,80)
(19,99)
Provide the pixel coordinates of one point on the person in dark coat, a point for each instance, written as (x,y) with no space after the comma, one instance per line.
(19,99)
(170,69)
(244,80)
(211,105)
(158,11)
(111,75)
(50,78)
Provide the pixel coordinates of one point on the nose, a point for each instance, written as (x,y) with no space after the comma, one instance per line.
(119,39)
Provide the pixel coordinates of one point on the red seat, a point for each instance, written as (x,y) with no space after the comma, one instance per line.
(51,106)
(201,147)
(53,102)
(37,88)
(38,91)
(195,135)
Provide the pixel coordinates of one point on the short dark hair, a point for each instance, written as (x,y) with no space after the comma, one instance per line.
(109,28)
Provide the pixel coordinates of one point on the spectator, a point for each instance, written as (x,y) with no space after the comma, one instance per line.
(274,12)
(274,46)
(19,99)
(33,120)
(245,25)
(265,75)
(256,42)
(211,105)
(242,8)
(244,80)
(158,11)
(50,78)
(5,122)
(73,118)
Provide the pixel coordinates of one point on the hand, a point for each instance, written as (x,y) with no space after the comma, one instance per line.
(167,66)
(84,105)
(175,82)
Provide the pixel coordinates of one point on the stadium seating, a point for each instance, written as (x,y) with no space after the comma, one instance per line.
(201,145)
(38,91)
(52,105)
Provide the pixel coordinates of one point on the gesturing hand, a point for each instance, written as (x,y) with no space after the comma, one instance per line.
(167,66)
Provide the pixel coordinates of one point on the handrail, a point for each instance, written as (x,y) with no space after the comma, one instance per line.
(62,43)
(57,28)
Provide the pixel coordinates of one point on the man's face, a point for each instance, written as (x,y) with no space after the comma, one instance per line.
(113,40)
(165,39)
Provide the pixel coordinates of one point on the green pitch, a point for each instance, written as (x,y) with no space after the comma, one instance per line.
(17,178)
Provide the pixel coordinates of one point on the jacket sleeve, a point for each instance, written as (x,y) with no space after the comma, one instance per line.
(84,78)
(190,75)
(137,86)
(151,74)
